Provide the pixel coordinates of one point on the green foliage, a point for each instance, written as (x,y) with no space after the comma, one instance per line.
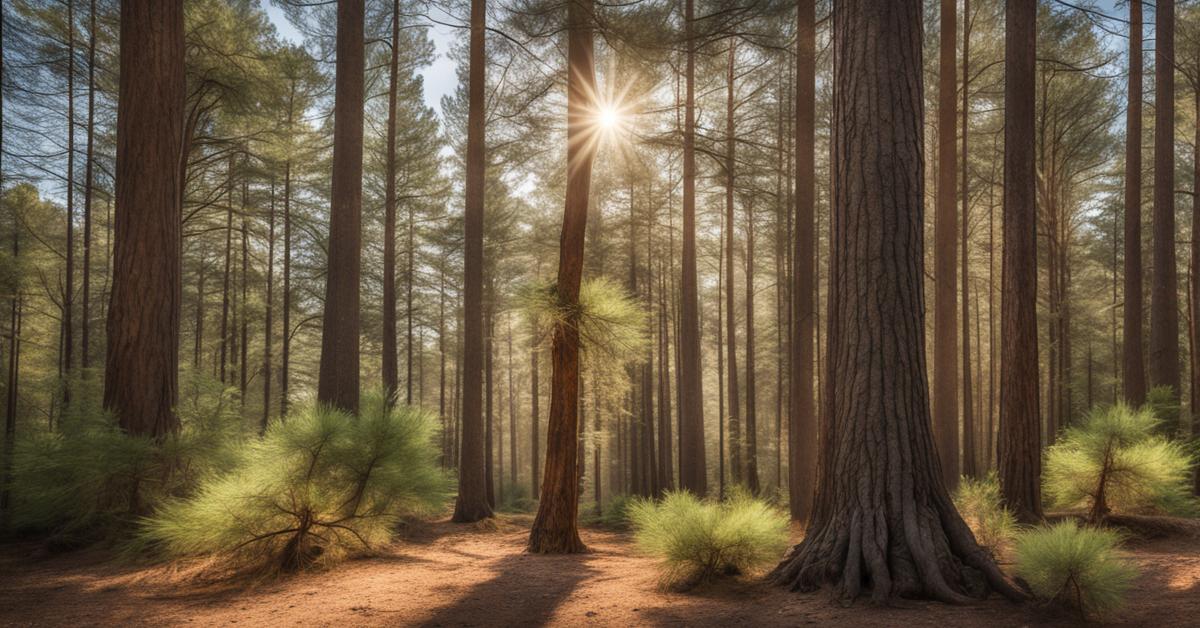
(699,540)
(980,504)
(313,489)
(1116,460)
(1163,403)
(517,499)
(1076,566)
(88,481)
(607,317)
(613,514)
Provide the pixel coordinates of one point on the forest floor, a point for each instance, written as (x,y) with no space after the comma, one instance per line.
(442,574)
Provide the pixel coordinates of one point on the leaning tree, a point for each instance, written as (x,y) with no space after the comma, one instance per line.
(882,518)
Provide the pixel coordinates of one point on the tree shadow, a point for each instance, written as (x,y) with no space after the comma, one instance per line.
(525,590)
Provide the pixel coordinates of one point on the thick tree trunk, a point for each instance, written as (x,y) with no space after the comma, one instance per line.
(1164,295)
(693,475)
(88,196)
(554,529)
(390,369)
(141,362)
(1132,354)
(1019,443)
(472,503)
(802,419)
(337,383)
(945,331)
(883,519)
(970,461)
(734,398)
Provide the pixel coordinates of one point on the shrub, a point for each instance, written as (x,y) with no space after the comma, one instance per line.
(314,488)
(614,513)
(980,504)
(89,482)
(517,499)
(1115,460)
(1074,566)
(699,540)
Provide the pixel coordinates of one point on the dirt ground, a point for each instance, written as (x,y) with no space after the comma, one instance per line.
(442,574)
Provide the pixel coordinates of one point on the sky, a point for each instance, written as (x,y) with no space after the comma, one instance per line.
(440,76)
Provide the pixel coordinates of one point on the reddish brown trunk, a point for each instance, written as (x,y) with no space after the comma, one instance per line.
(285,349)
(390,369)
(1019,447)
(734,398)
(269,322)
(1132,355)
(141,361)
(945,331)
(1164,295)
(554,529)
(970,462)
(88,195)
(68,297)
(337,383)
(751,393)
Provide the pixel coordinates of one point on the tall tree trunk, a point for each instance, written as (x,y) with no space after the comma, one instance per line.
(14,367)
(1194,281)
(970,461)
(472,503)
(721,367)
(534,416)
(1019,447)
(883,518)
(512,414)
(442,360)
(1164,295)
(269,322)
(666,467)
(224,361)
(141,362)
(88,195)
(68,300)
(198,339)
(337,383)
(735,431)
(390,367)
(692,468)
(945,332)
(802,419)
(1132,354)
(488,390)
(408,304)
(554,529)
(242,369)
(285,349)
(751,394)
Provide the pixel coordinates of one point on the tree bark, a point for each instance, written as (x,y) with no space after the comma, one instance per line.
(1132,353)
(970,461)
(692,471)
(731,371)
(88,195)
(269,322)
(68,302)
(945,334)
(285,349)
(390,369)
(535,477)
(1019,442)
(224,361)
(337,383)
(802,420)
(1164,294)
(751,439)
(883,519)
(141,362)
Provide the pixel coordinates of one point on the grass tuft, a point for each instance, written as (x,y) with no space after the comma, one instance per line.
(980,504)
(1078,567)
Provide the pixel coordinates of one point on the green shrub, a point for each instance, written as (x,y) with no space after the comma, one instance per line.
(517,499)
(699,540)
(613,514)
(1163,403)
(1074,566)
(88,482)
(980,504)
(1116,460)
(314,488)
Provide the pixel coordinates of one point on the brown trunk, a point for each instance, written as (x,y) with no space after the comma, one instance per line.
(970,462)
(535,477)
(472,503)
(1019,448)
(442,361)
(1164,295)
(512,414)
(68,299)
(554,529)
(285,349)
(1194,287)
(337,383)
(721,368)
(883,519)
(408,307)
(802,420)
(1132,356)
(945,331)
(735,398)
(751,394)
(666,474)
(244,303)
(269,322)
(692,468)
(489,456)
(198,337)
(224,360)
(141,362)
(390,367)
(88,195)
(14,371)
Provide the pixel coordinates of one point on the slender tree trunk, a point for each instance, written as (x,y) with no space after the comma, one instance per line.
(1164,289)
(883,517)
(224,361)
(242,369)
(14,370)
(390,368)
(141,362)
(88,195)
(945,335)
(802,420)
(665,465)
(472,503)
(736,465)
(751,394)
(1019,447)
(512,414)
(337,383)
(1194,285)
(534,416)
(970,461)
(488,391)
(285,350)
(269,322)
(692,468)
(721,368)
(442,362)
(408,302)
(68,313)
(554,529)
(1132,356)
(198,340)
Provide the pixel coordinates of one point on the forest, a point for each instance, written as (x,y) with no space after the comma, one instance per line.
(574,312)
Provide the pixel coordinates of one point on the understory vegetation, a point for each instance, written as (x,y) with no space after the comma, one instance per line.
(316,487)
(979,503)
(1118,460)
(698,540)
(1079,567)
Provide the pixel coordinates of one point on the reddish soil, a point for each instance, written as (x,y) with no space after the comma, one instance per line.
(442,574)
